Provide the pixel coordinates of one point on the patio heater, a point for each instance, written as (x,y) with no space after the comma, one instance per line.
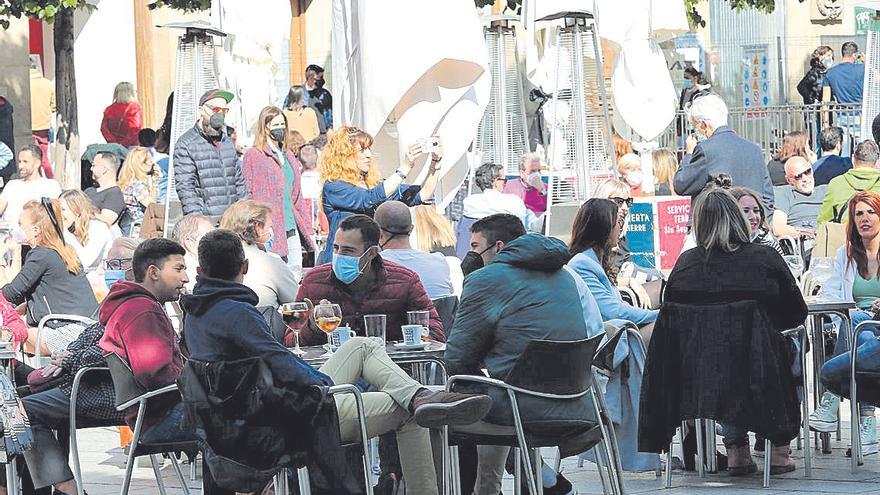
(502,135)
(196,72)
(580,154)
(871,92)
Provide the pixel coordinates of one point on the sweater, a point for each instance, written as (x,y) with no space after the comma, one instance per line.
(842,188)
(121,123)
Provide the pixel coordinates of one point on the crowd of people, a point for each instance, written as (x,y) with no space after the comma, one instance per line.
(305,216)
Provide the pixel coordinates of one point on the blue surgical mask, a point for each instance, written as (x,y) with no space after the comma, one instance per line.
(113,276)
(688,84)
(271,242)
(827,62)
(347,268)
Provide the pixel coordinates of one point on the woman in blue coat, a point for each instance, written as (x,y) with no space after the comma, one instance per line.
(352,183)
(594,235)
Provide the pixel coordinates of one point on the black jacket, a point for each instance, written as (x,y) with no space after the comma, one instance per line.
(717,351)
(810,87)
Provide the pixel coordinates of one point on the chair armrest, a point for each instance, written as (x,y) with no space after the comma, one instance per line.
(791,332)
(494,382)
(77,378)
(143,397)
(68,318)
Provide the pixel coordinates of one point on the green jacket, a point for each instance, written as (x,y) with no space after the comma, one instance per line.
(842,188)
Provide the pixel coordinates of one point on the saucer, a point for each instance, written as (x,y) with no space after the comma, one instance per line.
(410,347)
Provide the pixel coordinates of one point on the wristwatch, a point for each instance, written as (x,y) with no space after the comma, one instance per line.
(400,173)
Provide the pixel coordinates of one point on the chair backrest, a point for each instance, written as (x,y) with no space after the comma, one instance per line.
(275,322)
(446,308)
(604,358)
(127,388)
(555,367)
(463,236)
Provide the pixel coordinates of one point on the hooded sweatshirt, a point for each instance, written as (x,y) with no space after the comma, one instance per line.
(138,330)
(222,323)
(842,188)
(524,294)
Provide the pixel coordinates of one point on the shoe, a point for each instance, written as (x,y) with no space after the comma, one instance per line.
(437,409)
(739,461)
(781,461)
(562,487)
(868,435)
(824,418)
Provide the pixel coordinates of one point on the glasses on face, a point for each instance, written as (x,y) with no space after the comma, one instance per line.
(621,201)
(806,173)
(118,264)
(222,110)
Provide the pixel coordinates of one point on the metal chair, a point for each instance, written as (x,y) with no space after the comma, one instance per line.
(74,447)
(38,357)
(854,409)
(130,393)
(566,376)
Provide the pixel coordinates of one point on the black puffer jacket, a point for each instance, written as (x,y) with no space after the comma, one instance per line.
(207,174)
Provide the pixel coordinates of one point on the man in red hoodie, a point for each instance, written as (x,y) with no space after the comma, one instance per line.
(138,330)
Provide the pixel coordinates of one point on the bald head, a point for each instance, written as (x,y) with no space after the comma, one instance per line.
(799,174)
(395,224)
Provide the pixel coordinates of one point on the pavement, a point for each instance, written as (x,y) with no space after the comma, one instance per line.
(103,469)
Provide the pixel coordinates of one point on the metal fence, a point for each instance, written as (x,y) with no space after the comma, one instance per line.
(766,126)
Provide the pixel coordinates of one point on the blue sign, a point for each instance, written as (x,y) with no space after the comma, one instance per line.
(640,234)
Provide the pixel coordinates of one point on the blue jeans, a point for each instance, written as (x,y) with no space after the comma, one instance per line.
(835,374)
(168,429)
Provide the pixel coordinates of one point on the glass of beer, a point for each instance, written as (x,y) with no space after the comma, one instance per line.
(328,317)
(295,316)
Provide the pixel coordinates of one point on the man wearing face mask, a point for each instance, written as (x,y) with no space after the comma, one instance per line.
(362,283)
(525,292)
(715,149)
(206,166)
(317,96)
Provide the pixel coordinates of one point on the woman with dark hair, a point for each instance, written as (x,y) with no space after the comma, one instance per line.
(793,144)
(694,85)
(856,278)
(272,175)
(750,204)
(302,118)
(594,235)
(810,87)
(725,268)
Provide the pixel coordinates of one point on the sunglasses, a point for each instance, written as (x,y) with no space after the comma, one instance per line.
(223,110)
(118,264)
(621,201)
(806,173)
(47,204)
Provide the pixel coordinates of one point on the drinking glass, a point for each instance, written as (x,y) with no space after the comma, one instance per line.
(795,264)
(374,326)
(328,317)
(295,316)
(422,318)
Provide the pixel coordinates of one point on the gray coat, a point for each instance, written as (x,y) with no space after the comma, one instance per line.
(725,153)
(208,178)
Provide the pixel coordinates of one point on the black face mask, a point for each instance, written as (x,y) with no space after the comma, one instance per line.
(473,261)
(278,135)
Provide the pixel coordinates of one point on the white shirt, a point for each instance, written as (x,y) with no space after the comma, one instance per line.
(432,269)
(490,202)
(19,192)
(95,250)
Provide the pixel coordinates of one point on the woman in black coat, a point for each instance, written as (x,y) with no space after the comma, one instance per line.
(810,87)
(727,269)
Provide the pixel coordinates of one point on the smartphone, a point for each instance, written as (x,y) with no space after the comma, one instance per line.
(430,144)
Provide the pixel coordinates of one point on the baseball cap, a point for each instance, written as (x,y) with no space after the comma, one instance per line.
(216,93)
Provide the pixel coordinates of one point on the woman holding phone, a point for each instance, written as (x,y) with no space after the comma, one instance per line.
(352,183)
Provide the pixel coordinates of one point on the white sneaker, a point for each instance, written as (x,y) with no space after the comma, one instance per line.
(868,435)
(824,418)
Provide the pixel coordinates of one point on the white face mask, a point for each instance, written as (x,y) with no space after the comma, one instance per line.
(634,179)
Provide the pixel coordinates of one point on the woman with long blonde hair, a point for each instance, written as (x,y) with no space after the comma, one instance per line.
(665,165)
(90,237)
(123,119)
(137,179)
(352,183)
(434,234)
(51,279)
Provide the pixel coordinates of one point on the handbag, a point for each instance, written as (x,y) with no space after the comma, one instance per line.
(830,236)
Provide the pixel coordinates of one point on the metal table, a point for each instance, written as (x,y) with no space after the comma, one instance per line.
(432,354)
(817,306)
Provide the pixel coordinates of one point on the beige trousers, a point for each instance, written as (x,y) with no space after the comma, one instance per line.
(386,410)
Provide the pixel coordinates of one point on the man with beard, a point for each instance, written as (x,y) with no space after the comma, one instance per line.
(206,167)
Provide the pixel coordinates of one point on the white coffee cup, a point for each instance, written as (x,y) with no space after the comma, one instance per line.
(341,335)
(412,334)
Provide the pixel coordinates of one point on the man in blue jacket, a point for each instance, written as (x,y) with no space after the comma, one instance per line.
(524,293)
(223,324)
(717,149)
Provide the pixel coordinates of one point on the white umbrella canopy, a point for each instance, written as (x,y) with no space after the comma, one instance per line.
(402,76)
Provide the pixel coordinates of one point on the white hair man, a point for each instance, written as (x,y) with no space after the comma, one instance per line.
(529,186)
(714,148)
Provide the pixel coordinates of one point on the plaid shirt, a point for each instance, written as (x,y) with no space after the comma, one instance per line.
(96,399)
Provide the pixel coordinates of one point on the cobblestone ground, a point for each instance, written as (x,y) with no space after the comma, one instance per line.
(103,465)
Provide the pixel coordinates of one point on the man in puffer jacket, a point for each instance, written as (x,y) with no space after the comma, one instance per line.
(207,172)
